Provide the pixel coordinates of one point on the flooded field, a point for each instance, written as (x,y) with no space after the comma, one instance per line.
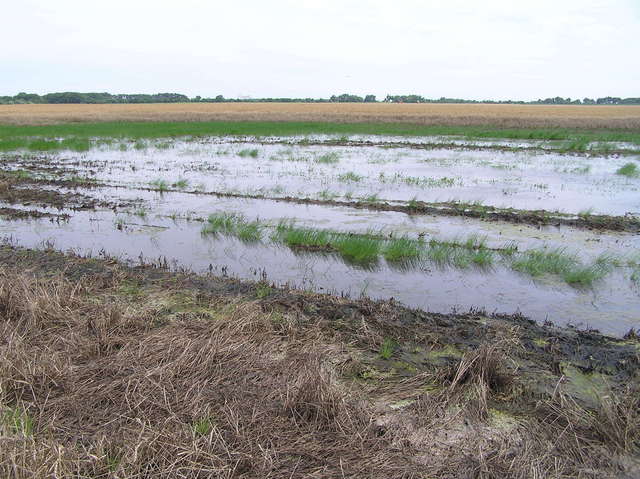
(440,224)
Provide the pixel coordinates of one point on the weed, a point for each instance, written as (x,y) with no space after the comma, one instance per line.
(21,174)
(203,426)
(263,290)
(159,185)
(328,158)
(584,275)
(630,170)
(328,195)
(360,249)
(388,348)
(253,153)
(350,177)
(180,184)
(371,199)
(221,222)
(248,231)
(537,262)
(18,420)
(140,145)
(413,203)
(401,249)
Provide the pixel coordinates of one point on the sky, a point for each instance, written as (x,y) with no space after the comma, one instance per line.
(494,49)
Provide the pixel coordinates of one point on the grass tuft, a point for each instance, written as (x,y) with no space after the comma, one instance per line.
(630,170)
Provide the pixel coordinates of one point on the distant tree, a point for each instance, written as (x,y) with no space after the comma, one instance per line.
(346,98)
(370,99)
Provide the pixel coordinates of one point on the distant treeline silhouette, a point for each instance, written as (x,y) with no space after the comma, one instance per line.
(77,97)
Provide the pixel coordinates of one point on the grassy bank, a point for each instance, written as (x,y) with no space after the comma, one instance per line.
(77,136)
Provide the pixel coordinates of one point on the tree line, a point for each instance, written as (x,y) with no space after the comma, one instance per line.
(77,97)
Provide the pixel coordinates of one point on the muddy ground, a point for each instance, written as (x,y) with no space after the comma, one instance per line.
(113,370)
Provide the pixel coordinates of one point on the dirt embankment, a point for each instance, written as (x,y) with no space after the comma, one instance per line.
(113,371)
(508,116)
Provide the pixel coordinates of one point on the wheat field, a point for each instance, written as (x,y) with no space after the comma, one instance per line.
(513,116)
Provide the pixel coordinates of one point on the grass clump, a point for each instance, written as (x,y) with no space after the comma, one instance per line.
(304,237)
(249,152)
(403,249)
(350,176)
(248,231)
(387,348)
(559,262)
(357,248)
(233,224)
(537,262)
(181,183)
(630,170)
(21,174)
(159,185)
(203,426)
(328,158)
(19,421)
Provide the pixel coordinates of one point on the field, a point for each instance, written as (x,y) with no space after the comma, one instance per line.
(324,297)
(511,116)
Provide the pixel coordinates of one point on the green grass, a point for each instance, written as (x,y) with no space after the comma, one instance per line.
(137,130)
(413,203)
(327,158)
(263,291)
(630,170)
(357,248)
(18,420)
(302,237)
(248,231)
(350,176)
(221,222)
(584,275)
(203,426)
(180,184)
(387,348)
(159,185)
(21,174)
(539,262)
(567,266)
(403,249)
(44,137)
(253,153)
(233,224)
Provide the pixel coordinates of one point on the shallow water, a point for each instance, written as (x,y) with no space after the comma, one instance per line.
(613,306)
(521,179)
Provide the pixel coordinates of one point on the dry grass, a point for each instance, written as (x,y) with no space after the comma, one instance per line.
(513,116)
(95,383)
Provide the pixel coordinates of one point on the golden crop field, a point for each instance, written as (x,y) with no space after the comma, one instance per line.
(578,116)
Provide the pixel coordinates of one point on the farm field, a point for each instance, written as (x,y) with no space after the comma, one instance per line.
(369,288)
(511,116)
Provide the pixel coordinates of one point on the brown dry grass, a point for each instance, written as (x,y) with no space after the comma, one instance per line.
(96,383)
(516,116)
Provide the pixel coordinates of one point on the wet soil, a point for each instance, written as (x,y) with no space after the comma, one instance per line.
(545,357)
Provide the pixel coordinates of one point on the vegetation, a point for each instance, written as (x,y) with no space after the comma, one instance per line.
(629,170)
(159,185)
(253,153)
(194,376)
(77,97)
(233,224)
(80,136)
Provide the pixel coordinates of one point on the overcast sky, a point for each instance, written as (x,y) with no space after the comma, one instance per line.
(494,49)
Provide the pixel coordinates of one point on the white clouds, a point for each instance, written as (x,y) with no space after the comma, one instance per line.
(491,49)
